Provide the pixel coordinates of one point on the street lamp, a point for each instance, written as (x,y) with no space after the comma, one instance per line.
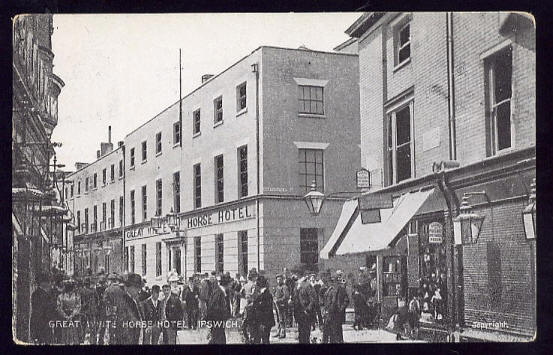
(172,220)
(314,200)
(529,213)
(467,225)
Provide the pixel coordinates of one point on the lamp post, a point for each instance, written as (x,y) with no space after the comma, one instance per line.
(529,214)
(467,225)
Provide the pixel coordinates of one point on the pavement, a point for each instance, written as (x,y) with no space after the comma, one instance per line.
(350,336)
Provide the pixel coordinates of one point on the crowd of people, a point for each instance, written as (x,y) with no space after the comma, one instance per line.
(122,309)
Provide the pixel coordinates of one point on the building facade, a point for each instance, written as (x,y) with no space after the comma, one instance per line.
(447,115)
(217,182)
(38,215)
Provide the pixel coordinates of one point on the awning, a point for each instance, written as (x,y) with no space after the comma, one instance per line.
(361,238)
(348,209)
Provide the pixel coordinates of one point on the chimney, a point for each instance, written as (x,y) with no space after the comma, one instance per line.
(206,77)
(120,144)
(98,153)
(105,148)
(109,134)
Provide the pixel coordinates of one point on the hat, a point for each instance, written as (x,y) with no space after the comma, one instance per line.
(134,280)
(252,273)
(113,277)
(261,282)
(225,280)
(173,276)
(242,279)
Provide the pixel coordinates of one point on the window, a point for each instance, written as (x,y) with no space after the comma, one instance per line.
(106,263)
(143,259)
(112,173)
(219,252)
(95,219)
(176,192)
(196,118)
(144,151)
(219,181)
(132,258)
(311,168)
(121,210)
(241,97)
(120,168)
(218,110)
(243,247)
(86,220)
(197,254)
(112,214)
(158,259)
(86,183)
(197,186)
(158,143)
(499,71)
(144,204)
(176,133)
(402,42)
(78,187)
(159,192)
(177,260)
(127,257)
(95,180)
(132,158)
(71,189)
(104,177)
(309,247)
(243,171)
(311,99)
(400,161)
(79,221)
(133,220)
(104,215)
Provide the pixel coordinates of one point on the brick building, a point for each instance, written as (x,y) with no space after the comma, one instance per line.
(217,183)
(447,115)
(38,216)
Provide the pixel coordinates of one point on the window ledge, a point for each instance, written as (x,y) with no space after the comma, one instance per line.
(158,154)
(199,133)
(218,124)
(402,64)
(311,115)
(242,111)
(144,161)
(176,145)
(132,167)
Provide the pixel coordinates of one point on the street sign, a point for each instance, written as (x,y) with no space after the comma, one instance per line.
(435,233)
(363,178)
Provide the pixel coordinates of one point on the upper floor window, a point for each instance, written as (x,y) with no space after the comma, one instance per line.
(144,151)
(311,168)
(399,144)
(132,158)
(176,133)
(402,41)
(72,190)
(158,143)
(197,186)
(78,187)
(219,180)
(133,208)
(176,191)
(95,180)
(86,183)
(499,72)
(241,97)
(120,168)
(243,171)
(144,204)
(104,176)
(196,117)
(311,99)
(159,196)
(112,172)
(218,110)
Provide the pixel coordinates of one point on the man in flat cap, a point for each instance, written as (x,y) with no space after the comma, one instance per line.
(304,307)
(218,310)
(43,308)
(190,297)
(172,311)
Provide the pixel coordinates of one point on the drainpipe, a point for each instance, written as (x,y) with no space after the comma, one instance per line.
(255,69)
(450,87)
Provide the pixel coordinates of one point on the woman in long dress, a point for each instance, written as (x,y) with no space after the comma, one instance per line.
(69,308)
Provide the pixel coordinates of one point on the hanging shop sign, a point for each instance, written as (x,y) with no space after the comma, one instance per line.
(435,233)
(225,215)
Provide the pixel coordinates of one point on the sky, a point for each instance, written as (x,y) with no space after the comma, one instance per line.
(121,70)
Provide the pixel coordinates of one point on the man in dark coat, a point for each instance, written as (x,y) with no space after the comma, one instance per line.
(304,309)
(190,297)
(218,311)
(263,311)
(89,309)
(101,314)
(43,308)
(343,302)
(171,311)
(151,308)
(334,306)
(128,313)
(282,296)
(205,293)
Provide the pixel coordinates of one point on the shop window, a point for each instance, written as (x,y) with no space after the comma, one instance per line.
(499,72)
(393,276)
(219,252)
(197,254)
(311,168)
(311,99)
(106,263)
(400,157)
(158,259)
(309,248)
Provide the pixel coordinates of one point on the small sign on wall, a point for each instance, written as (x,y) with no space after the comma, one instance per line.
(363,178)
(435,233)
(431,139)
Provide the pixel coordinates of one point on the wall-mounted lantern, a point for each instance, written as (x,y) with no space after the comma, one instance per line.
(314,200)
(529,213)
(467,225)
